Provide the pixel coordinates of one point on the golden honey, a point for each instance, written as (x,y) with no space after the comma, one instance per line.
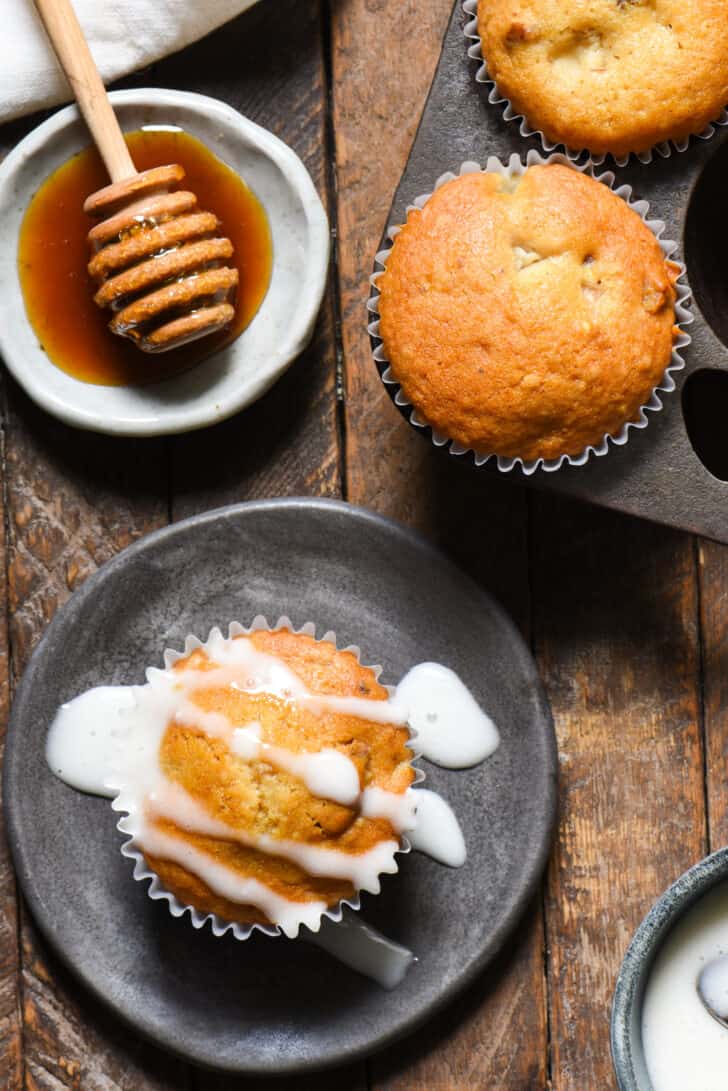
(53,254)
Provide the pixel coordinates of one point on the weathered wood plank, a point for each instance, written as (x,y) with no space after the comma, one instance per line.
(383,57)
(73,500)
(615,627)
(72,1042)
(287,443)
(713,569)
(383,60)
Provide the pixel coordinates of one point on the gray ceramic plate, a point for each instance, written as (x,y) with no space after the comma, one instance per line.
(273,1005)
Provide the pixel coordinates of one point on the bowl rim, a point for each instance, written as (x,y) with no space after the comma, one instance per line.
(209,407)
(647,940)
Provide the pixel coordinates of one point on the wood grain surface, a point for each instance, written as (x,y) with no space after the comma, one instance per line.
(615,629)
(499,1039)
(629,622)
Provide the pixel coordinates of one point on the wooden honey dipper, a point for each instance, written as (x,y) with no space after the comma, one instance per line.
(159,262)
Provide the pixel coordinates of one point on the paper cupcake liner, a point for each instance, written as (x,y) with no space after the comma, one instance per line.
(143,873)
(683,317)
(664,149)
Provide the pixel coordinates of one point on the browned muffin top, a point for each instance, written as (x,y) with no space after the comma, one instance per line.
(527,317)
(609,75)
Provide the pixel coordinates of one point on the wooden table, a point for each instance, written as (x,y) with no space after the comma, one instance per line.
(628,621)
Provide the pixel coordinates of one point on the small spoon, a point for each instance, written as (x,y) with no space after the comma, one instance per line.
(712,986)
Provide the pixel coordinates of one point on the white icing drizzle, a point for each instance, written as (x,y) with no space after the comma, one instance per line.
(107,741)
(260,671)
(263,673)
(451,728)
(171,801)
(288,915)
(86,738)
(261,677)
(327,773)
(399,808)
(133,770)
(364,708)
(437,831)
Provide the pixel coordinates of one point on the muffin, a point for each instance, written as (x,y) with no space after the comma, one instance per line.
(270,796)
(613,76)
(527,317)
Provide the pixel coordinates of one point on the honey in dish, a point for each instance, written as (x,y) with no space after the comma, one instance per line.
(53,255)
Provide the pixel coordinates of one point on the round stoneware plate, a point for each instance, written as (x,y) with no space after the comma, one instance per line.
(233,377)
(271,1005)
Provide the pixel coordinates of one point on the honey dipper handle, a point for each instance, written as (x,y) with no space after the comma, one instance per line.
(72,50)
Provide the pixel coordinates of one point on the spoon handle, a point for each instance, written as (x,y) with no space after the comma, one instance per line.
(75,58)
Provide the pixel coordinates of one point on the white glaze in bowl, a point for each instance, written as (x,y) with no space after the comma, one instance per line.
(678,901)
(233,377)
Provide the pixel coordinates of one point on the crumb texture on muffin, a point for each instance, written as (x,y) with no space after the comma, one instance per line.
(252,815)
(527,316)
(613,76)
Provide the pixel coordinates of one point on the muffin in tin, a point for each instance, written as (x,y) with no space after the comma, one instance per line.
(527,316)
(610,76)
(276,784)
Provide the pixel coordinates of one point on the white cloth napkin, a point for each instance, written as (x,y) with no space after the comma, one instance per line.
(123,35)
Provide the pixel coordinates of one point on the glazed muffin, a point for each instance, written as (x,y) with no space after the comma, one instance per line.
(527,317)
(613,76)
(273,782)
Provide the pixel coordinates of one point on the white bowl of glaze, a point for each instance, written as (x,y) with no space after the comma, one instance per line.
(628,1053)
(236,375)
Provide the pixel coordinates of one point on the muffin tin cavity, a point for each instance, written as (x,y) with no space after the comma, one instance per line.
(705,409)
(706,243)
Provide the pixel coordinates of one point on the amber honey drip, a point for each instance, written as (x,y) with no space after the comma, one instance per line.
(53,254)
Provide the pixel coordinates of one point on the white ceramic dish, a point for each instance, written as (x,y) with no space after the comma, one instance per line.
(233,377)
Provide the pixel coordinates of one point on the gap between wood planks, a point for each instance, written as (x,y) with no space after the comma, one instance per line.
(327,18)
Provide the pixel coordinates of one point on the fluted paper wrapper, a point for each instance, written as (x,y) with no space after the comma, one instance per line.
(143,873)
(683,317)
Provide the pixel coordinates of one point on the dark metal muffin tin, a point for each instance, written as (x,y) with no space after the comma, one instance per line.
(685,893)
(659,473)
